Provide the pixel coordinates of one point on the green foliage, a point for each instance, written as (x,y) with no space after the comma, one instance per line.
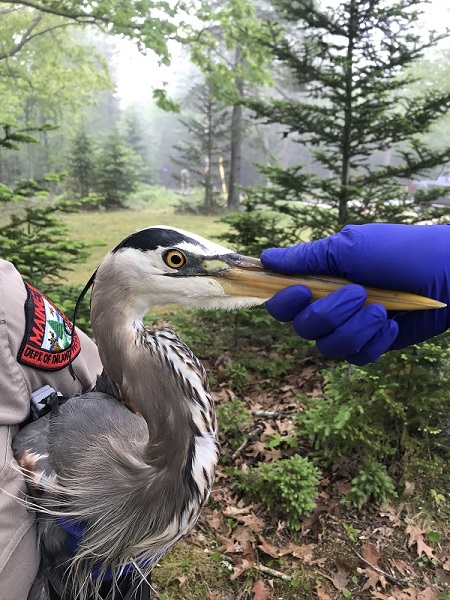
(36,80)
(207,125)
(232,419)
(358,113)
(147,22)
(371,482)
(133,136)
(82,164)
(117,172)
(391,412)
(34,239)
(286,486)
(253,230)
(224,27)
(163,101)
(237,376)
(36,242)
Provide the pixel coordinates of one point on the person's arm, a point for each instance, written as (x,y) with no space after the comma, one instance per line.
(409,258)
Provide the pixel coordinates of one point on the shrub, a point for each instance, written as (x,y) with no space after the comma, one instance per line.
(373,482)
(232,417)
(393,411)
(287,486)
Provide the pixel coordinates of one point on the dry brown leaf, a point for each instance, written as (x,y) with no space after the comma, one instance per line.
(260,591)
(304,553)
(415,534)
(214,519)
(407,594)
(232,511)
(240,567)
(321,594)
(402,567)
(373,579)
(308,373)
(339,578)
(252,522)
(371,554)
(394,516)
(269,548)
(428,594)
(256,448)
(181,580)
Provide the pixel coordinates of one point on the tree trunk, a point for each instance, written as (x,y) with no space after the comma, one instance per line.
(348,117)
(209,200)
(234,180)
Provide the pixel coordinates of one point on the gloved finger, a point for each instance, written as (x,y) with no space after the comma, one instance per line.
(307,258)
(352,335)
(325,315)
(289,302)
(378,345)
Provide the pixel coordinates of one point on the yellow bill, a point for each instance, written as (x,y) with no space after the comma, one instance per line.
(246,276)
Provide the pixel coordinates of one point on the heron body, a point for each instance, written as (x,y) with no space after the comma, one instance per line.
(134,459)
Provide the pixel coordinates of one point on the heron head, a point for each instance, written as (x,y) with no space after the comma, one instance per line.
(164,265)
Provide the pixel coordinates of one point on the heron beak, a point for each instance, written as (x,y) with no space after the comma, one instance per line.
(246,276)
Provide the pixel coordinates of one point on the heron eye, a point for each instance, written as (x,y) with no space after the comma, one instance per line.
(174,259)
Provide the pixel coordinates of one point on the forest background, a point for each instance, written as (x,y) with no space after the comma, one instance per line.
(254,123)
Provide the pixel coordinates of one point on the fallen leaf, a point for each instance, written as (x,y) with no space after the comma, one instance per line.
(371,554)
(391,514)
(402,567)
(269,548)
(252,522)
(339,578)
(373,579)
(240,567)
(321,593)
(415,534)
(232,511)
(260,591)
(304,553)
(407,594)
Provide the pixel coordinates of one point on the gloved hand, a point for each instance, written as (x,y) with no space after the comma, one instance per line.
(411,258)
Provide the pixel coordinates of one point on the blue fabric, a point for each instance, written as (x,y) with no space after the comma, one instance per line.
(411,258)
(76,532)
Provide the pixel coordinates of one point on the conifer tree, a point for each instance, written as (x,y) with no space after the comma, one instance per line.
(355,107)
(208,142)
(117,172)
(82,164)
(135,140)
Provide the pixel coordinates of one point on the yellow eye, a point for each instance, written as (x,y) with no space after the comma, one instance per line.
(174,259)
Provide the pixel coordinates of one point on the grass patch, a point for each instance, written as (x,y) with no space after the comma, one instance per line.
(148,206)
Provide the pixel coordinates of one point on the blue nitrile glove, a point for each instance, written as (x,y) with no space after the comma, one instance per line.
(413,258)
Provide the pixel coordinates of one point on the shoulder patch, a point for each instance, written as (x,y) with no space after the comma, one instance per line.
(47,339)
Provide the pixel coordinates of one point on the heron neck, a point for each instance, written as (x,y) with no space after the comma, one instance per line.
(157,375)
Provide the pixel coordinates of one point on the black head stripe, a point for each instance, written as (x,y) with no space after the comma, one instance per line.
(153,238)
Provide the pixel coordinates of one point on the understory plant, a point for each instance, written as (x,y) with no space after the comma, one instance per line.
(392,415)
(287,486)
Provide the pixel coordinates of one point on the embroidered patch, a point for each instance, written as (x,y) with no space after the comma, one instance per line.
(46,344)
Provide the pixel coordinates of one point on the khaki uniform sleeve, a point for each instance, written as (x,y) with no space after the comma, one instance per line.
(19,556)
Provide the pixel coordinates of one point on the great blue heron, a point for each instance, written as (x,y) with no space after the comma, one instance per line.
(134,460)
